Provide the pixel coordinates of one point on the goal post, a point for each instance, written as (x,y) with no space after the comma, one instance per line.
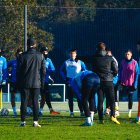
(57,90)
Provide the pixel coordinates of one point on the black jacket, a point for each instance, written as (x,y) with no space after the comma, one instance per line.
(31,69)
(104,66)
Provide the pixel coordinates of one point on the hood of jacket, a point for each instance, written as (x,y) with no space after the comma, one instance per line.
(101,53)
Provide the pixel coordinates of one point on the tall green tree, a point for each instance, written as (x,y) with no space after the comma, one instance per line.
(12,25)
(53,11)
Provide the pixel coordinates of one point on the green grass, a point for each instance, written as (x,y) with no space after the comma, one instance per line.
(62,127)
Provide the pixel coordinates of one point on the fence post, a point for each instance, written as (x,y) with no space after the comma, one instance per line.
(25,28)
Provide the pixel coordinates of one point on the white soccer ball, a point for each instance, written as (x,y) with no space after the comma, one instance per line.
(4,112)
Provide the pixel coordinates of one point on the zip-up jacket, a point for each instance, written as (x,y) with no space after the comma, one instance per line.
(104,66)
(31,69)
(3,69)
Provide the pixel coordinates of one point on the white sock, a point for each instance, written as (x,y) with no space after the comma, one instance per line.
(129,110)
(88,119)
(138,118)
(92,115)
(117,104)
(35,122)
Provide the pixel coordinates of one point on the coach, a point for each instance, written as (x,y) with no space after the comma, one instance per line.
(30,76)
(106,68)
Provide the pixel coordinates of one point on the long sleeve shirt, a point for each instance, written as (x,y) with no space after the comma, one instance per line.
(49,68)
(71,68)
(3,69)
(13,65)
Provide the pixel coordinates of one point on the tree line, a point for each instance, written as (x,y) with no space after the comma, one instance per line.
(53,11)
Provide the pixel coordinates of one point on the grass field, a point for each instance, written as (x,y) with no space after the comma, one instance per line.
(63,127)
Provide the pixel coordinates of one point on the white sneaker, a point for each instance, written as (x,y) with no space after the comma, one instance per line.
(36,125)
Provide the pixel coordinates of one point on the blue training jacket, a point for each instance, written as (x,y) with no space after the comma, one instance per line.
(49,69)
(76,83)
(3,69)
(13,65)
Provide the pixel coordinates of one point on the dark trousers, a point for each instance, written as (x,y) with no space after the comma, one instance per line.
(116,96)
(13,99)
(90,85)
(106,89)
(13,90)
(116,93)
(70,94)
(45,97)
(34,92)
(127,90)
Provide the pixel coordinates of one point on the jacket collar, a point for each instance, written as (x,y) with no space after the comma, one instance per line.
(32,50)
(101,53)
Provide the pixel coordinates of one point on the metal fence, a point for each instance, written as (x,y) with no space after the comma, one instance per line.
(63,28)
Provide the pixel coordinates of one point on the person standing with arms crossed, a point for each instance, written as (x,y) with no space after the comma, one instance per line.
(30,77)
(115,80)
(128,78)
(68,70)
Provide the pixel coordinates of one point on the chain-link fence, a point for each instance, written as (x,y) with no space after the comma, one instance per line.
(64,28)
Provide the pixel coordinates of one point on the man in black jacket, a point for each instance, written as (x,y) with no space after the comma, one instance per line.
(106,68)
(30,77)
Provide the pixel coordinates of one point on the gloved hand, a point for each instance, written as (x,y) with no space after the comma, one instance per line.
(3,83)
(67,81)
(118,83)
(133,88)
(51,81)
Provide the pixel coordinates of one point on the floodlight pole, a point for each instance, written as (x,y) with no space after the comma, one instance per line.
(25,28)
